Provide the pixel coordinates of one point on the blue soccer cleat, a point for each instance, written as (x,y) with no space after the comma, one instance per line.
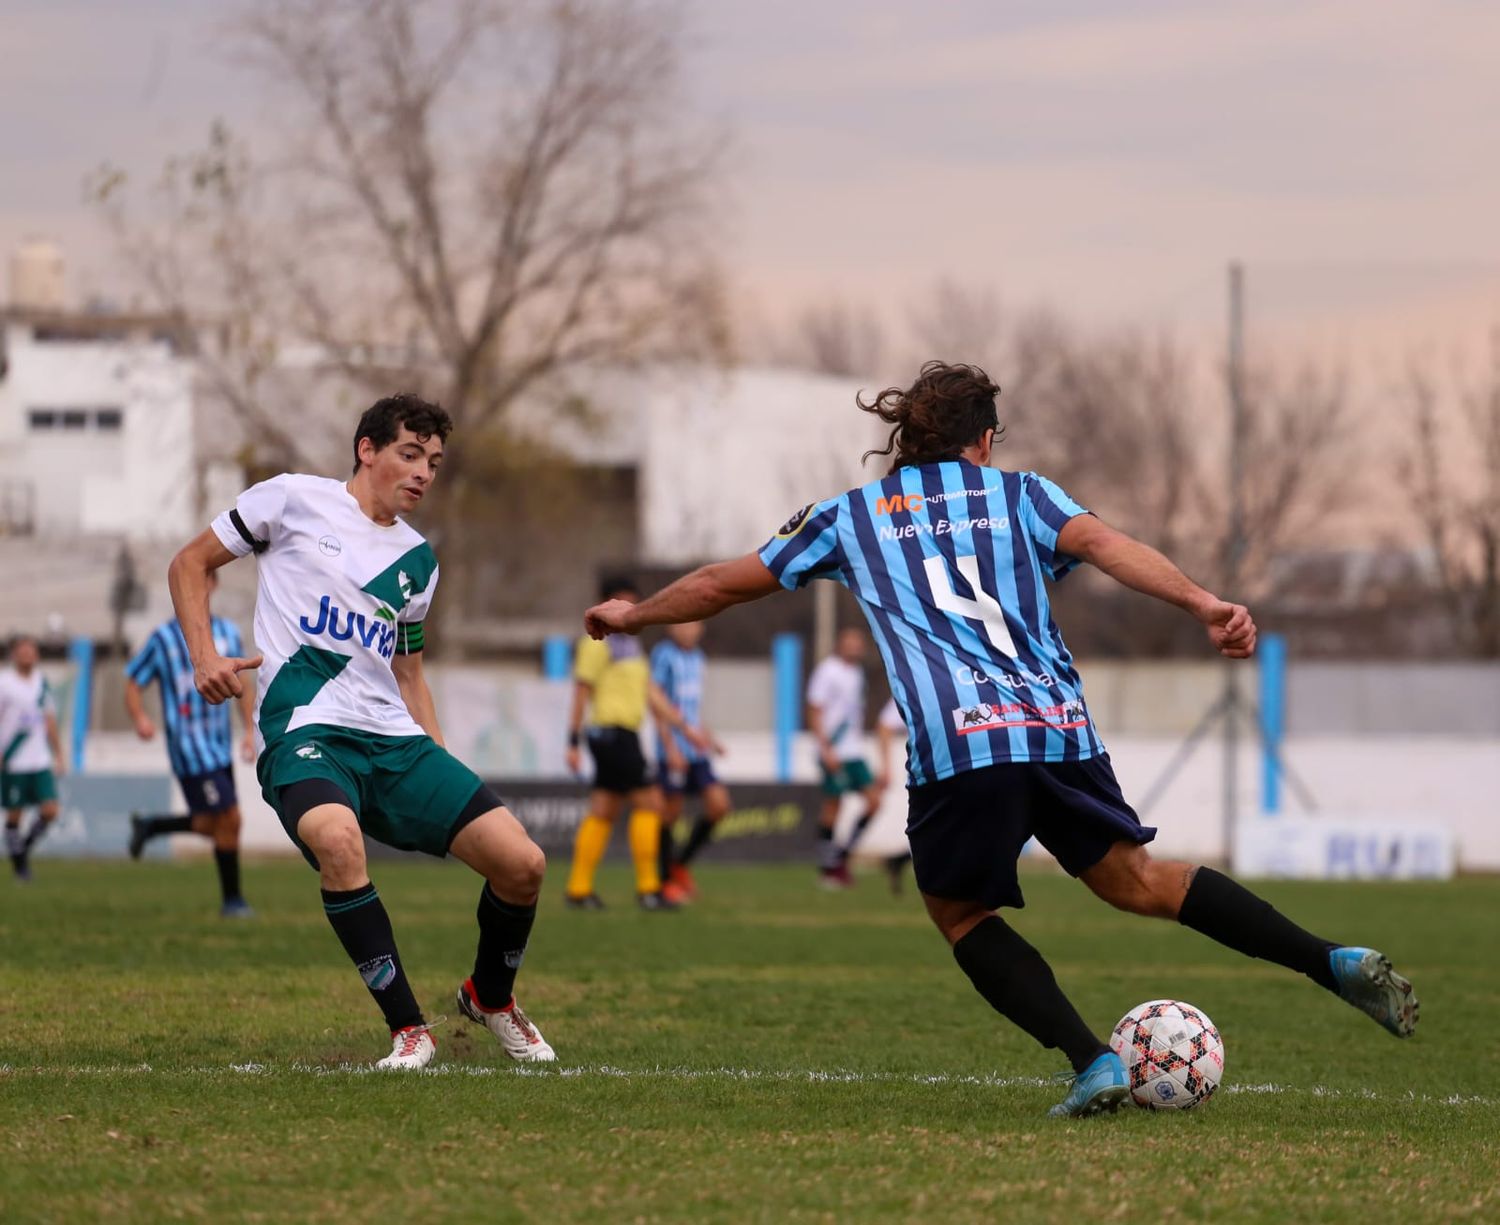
(1366,981)
(236,908)
(1098,1089)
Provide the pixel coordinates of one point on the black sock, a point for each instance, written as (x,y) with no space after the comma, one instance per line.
(703,830)
(861,823)
(228,863)
(35,836)
(828,850)
(1019,985)
(503,931)
(664,850)
(154,827)
(1226,911)
(14,844)
(364,929)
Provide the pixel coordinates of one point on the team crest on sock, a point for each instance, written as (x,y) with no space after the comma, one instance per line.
(378,973)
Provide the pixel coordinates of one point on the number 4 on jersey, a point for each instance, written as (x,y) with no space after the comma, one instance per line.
(983,607)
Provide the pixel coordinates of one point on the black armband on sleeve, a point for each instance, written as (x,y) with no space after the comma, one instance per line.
(408,638)
(256,544)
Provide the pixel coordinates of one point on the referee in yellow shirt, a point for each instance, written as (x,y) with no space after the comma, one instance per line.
(613,677)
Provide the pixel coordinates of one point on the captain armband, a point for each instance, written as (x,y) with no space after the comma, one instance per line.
(408,638)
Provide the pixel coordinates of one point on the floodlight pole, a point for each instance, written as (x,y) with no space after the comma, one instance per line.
(1234,545)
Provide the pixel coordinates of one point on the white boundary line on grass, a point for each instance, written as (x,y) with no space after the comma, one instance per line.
(742,1075)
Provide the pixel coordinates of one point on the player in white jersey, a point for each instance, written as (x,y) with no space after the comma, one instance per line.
(348,736)
(836,719)
(32,752)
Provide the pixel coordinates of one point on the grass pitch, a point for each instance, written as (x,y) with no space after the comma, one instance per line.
(774,1054)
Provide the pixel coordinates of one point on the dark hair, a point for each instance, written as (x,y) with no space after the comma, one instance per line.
(383,420)
(616,584)
(948,408)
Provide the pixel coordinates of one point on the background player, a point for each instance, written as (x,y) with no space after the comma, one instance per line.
(612,684)
(199,746)
(350,736)
(683,768)
(32,751)
(836,719)
(946,557)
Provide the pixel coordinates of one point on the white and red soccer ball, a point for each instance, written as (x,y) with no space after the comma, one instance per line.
(1173,1055)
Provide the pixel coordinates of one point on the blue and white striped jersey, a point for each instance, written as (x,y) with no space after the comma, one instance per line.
(948,560)
(199,737)
(679,675)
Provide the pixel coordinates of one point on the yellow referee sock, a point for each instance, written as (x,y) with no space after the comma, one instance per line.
(588,850)
(645,843)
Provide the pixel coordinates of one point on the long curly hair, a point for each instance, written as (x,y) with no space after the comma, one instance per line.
(948,408)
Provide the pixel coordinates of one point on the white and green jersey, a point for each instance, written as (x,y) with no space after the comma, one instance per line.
(25,703)
(339,596)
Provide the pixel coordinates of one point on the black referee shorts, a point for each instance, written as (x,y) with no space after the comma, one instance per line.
(619,764)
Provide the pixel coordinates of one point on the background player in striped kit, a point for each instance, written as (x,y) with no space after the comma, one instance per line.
(836,719)
(200,747)
(685,768)
(947,558)
(32,748)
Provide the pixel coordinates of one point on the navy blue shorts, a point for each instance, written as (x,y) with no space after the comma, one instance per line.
(211,792)
(695,780)
(967,831)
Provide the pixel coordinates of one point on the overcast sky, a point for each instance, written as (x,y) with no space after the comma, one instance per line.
(1103,156)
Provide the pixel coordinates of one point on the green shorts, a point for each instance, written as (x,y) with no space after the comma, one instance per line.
(852,775)
(406,791)
(28,790)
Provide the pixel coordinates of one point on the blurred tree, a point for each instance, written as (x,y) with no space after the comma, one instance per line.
(1452,479)
(468,199)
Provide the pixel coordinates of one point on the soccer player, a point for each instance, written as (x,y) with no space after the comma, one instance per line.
(684,769)
(32,749)
(199,746)
(836,718)
(948,558)
(612,683)
(350,742)
(889,728)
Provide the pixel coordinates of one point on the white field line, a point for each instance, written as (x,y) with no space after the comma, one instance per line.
(741,1075)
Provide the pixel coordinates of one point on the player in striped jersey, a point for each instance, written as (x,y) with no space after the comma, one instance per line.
(200,747)
(949,559)
(685,768)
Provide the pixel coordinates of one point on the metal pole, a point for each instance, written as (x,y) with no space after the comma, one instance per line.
(1234,545)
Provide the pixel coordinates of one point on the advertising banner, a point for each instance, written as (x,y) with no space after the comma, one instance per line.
(1344,848)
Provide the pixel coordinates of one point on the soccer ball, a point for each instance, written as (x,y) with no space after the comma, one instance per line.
(1172,1052)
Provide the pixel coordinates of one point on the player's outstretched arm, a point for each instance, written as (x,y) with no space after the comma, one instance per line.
(217,678)
(705,592)
(1142,568)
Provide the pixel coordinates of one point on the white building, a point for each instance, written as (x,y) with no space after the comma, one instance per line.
(98,411)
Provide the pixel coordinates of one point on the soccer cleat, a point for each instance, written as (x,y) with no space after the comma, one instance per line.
(411,1048)
(674,894)
(838,877)
(1098,1089)
(656,901)
(22,866)
(1367,981)
(513,1029)
(683,879)
(137,842)
(236,908)
(589,901)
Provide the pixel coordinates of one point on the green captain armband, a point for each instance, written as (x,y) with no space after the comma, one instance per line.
(408,638)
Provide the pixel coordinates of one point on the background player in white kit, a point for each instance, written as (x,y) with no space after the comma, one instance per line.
(32,752)
(836,719)
(350,742)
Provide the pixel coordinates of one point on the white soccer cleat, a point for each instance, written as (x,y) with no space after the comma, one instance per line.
(411,1047)
(513,1029)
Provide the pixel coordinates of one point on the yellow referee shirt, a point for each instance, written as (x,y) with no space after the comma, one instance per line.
(619,674)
